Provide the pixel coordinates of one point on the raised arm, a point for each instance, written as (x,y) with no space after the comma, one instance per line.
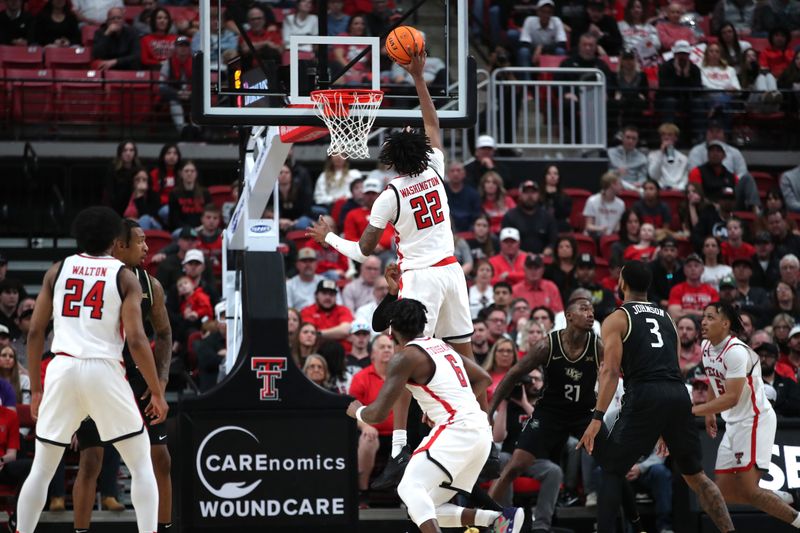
(416,69)
(536,357)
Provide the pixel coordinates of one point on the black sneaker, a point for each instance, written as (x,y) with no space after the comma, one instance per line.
(12,522)
(492,468)
(393,473)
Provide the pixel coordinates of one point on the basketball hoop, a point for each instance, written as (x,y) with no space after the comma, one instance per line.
(301,134)
(349,115)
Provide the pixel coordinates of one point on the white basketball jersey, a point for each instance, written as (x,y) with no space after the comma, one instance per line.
(734,359)
(447,398)
(87,305)
(418,208)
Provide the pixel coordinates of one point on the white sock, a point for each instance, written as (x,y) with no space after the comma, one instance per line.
(34,491)
(399,439)
(135,451)
(449,515)
(484,518)
(796,521)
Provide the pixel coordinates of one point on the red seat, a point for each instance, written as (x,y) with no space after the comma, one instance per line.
(21,56)
(673,199)
(758,43)
(133,12)
(24,415)
(684,246)
(466,235)
(606,242)
(129,95)
(601,268)
(79,96)
(764,180)
(156,240)
(31,93)
(220,194)
(579,197)
(87,35)
(298,237)
(526,485)
(629,197)
(60,58)
(586,244)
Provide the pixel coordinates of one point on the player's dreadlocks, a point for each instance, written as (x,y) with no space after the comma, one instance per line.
(407,151)
(731,313)
(408,318)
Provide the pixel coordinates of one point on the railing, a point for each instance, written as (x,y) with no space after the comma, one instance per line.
(531,108)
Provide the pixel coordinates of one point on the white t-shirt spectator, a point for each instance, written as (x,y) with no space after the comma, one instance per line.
(300,294)
(642,39)
(674,175)
(605,214)
(533,33)
(325,194)
(479,300)
(713,275)
(293,26)
(96,10)
(720,78)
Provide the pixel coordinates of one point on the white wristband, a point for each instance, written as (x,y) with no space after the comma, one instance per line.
(358,414)
(347,248)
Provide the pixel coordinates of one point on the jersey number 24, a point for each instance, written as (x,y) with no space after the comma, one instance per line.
(427,209)
(74,295)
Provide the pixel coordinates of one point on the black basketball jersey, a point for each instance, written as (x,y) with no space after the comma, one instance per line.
(650,345)
(147,306)
(569,384)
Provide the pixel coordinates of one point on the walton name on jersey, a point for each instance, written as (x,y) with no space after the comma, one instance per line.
(420,186)
(643,308)
(83,270)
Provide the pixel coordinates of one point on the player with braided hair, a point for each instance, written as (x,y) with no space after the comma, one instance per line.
(745,451)
(451,457)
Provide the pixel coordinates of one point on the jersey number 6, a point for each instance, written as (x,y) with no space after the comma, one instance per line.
(74,295)
(427,210)
(459,372)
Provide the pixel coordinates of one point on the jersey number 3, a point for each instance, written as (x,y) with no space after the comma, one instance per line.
(427,210)
(459,372)
(74,295)
(659,342)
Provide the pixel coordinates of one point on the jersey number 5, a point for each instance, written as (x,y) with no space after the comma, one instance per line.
(74,295)
(427,210)
(659,342)
(459,372)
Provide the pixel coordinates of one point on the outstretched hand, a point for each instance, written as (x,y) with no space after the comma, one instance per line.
(318,230)
(417,64)
(392,276)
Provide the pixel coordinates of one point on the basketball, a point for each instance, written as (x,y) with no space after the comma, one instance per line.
(400,39)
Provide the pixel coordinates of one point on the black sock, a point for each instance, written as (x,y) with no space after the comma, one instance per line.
(482,500)
(79,530)
(164,527)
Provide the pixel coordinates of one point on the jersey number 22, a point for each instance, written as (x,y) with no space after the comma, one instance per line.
(427,210)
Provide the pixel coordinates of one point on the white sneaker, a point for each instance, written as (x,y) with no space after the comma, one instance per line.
(591,500)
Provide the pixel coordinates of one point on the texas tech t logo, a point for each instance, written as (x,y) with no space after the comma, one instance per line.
(268,369)
(738,456)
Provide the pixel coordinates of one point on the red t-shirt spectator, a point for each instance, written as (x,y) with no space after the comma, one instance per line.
(328,258)
(364,388)
(775,60)
(212,248)
(273,36)
(156,49)
(516,271)
(543,292)
(496,213)
(162,184)
(694,298)
(696,177)
(9,430)
(356,222)
(331,318)
(632,253)
(731,254)
(200,303)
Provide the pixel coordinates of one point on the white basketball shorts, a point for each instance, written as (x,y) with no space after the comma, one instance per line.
(76,388)
(746,444)
(443,291)
(459,452)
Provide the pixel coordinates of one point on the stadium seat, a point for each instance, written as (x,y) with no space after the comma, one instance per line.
(764,180)
(63,58)
(220,194)
(673,199)
(133,12)
(87,35)
(79,96)
(586,244)
(466,235)
(579,197)
(758,43)
(31,92)
(129,96)
(13,57)
(601,269)
(298,237)
(629,197)
(684,246)
(526,485)
(156,241)
(606,242)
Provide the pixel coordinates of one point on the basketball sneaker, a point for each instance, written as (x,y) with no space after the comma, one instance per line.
(510,521)
(393,472)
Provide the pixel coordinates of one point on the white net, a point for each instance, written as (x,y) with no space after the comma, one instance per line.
(349,115)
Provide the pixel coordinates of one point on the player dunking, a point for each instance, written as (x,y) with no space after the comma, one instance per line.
(449,460)
(641,342)
(570,358)
(131,249)
(91,297)
(745,451)
(415,202)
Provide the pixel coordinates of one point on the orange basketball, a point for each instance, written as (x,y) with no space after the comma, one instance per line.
(402,38)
